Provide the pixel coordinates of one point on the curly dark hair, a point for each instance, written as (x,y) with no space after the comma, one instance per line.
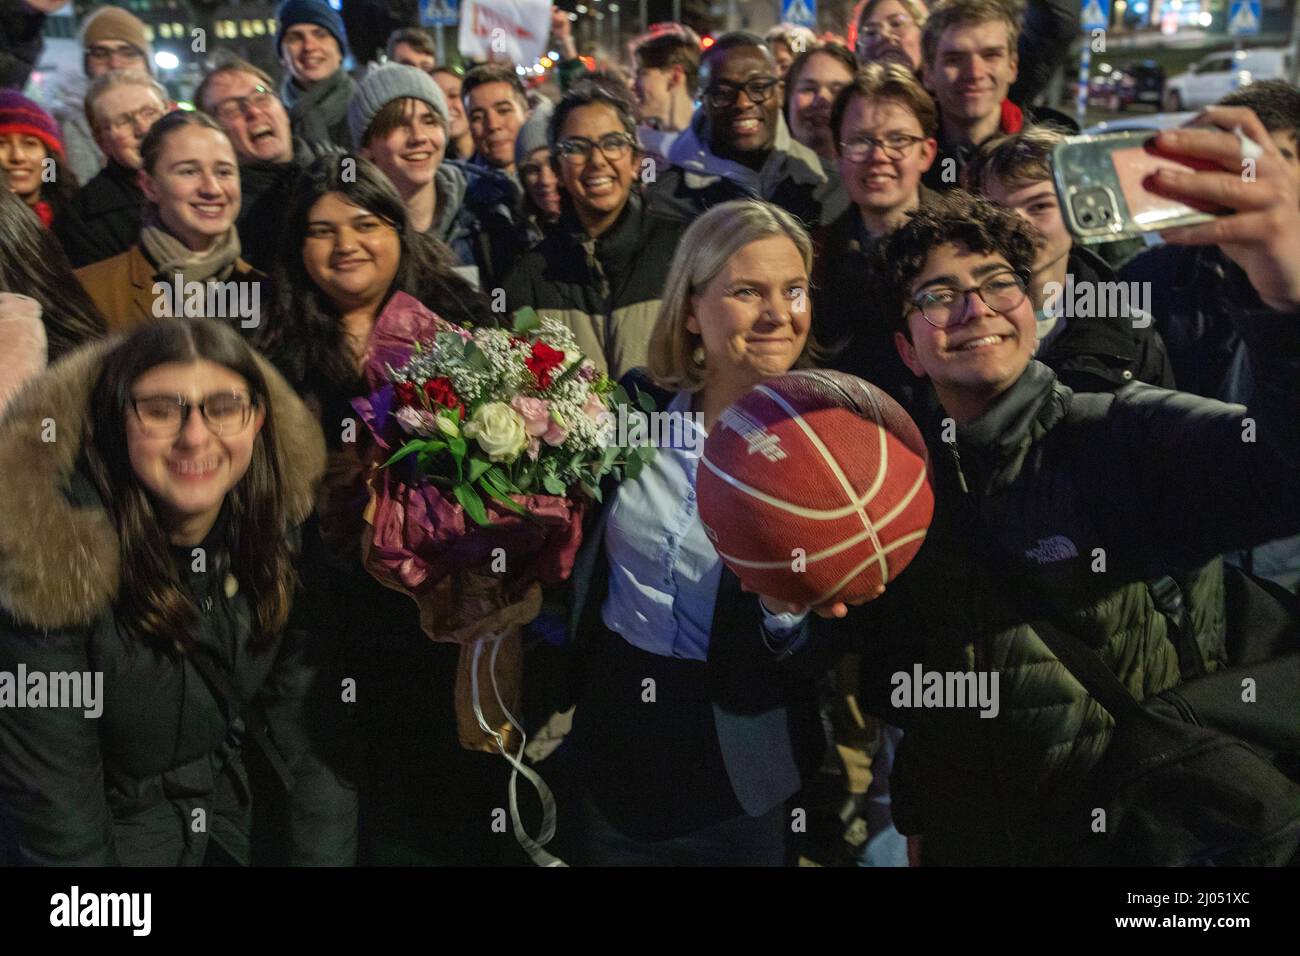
(954,216)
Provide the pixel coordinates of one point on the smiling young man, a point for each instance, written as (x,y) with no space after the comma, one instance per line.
(104,217)
(1034,481)
(883,126)
(242,99)
(311,44)
(399,121)
(970,61)
(602,269)
(497,108)
(1091,331)
(739,146)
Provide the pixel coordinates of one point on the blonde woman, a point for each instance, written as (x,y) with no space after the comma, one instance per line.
(697,714)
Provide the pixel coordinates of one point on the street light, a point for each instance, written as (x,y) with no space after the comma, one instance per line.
(166,60)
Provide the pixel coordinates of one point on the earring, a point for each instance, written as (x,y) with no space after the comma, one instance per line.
(699,355)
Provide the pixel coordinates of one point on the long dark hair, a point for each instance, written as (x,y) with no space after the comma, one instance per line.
(152,603)
(32,263)
(304,336)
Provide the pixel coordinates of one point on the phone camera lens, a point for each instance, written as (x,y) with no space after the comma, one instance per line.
(1087,218)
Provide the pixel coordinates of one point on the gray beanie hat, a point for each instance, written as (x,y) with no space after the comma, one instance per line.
(382,85)
(532,135)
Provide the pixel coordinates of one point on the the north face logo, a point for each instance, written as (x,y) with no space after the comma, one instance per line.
(1053,549)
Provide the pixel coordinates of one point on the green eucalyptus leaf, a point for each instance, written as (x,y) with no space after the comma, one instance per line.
(416,444)
(477,466)
(553,485)
(506,501)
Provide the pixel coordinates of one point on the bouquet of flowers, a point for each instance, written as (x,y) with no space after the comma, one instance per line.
(487,443)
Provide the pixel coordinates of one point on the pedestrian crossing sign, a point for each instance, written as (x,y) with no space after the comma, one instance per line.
(1096,14)
(439,13)
(1243,17)
(802,13)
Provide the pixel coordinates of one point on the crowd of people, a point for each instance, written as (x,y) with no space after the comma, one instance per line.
(702,218)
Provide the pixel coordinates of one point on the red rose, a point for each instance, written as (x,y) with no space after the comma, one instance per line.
(406,393)
(542,362)
(439,391)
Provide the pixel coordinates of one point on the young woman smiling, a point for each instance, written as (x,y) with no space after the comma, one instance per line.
(354,272)
(190,180)
(32,157)
(146,552)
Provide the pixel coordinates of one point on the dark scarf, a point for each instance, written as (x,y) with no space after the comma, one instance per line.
(314,112)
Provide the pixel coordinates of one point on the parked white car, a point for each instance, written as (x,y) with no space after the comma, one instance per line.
(1219,74)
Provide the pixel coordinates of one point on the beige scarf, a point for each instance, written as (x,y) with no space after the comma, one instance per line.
(171,256)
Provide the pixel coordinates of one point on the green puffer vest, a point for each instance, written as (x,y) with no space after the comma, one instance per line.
(1013,513)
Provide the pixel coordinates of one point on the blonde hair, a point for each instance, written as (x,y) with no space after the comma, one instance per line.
(703,252)
(915,9)
(111,81)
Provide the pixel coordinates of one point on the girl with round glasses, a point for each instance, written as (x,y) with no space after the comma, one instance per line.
(147,572)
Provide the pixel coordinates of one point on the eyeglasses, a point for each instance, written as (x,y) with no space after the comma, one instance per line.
(145,117)
(1001,292)
(163,416)
(890,27)
(894,146)
(236,106)
(722,94)
(576,150)
(101,54)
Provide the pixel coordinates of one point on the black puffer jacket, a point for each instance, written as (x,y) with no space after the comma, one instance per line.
(160,775)
(1072,502)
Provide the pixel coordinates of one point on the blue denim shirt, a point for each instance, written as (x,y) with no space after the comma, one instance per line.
(663,570)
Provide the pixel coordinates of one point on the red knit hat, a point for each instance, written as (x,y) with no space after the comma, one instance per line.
(20,115)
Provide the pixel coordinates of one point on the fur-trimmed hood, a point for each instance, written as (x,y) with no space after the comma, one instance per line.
(60,563)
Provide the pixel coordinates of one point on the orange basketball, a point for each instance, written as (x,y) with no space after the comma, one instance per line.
(814,487)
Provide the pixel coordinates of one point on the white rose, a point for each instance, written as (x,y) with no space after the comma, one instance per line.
(499,430)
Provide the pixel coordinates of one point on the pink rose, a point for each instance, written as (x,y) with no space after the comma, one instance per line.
(595,407)
(555,435)
(536,413)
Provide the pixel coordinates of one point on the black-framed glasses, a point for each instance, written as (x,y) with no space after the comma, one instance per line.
(722,94)
(145,116)
(1001,292)
(895,146)
(576,150)
(102,54)
(164,416)
(236,106)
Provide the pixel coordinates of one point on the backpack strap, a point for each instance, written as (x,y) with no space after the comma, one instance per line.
(255,727)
